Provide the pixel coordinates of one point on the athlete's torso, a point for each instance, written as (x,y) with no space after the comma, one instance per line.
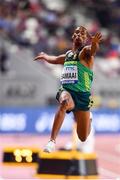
(76,76)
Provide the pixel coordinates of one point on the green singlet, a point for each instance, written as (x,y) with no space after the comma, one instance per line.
(77,80)
(76,76)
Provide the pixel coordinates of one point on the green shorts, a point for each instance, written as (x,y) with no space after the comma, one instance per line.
(83,100)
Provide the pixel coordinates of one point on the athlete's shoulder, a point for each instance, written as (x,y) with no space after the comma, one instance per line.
(69,51)
(86,48)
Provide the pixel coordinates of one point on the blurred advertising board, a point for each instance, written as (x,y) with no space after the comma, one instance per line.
(39,120)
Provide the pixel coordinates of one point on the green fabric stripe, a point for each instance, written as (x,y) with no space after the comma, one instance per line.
(70,63)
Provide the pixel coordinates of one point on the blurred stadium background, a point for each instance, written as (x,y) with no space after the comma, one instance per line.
(28,89)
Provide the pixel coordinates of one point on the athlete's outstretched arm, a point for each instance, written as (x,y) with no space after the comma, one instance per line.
(51,59)
(95,43)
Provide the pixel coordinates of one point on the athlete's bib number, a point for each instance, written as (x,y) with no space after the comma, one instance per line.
(69,75)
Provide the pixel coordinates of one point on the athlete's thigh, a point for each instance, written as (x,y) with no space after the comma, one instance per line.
(65,95)
(82,119)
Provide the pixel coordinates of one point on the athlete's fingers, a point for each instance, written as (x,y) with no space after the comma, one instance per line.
(98,35)
(37,58)
(40,56)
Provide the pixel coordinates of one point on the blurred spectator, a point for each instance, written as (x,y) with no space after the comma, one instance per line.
(3,54)
(47,27)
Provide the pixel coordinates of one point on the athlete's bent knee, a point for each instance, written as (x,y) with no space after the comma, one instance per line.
(63,106)
(66,105)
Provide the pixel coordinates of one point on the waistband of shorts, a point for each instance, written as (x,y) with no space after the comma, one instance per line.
(77,92)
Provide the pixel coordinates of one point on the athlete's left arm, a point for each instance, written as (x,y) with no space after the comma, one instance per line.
(96,39)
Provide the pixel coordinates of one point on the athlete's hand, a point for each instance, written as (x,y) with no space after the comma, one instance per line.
(97,38)
(41,56)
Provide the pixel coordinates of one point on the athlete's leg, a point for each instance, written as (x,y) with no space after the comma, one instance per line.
(83,124)
(66,104)
(58,120)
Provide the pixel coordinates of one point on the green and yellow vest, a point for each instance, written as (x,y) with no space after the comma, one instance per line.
(75,76)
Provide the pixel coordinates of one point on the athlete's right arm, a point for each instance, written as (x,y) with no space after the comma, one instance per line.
(50,59)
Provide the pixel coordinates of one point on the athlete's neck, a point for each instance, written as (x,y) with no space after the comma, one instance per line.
(77,48)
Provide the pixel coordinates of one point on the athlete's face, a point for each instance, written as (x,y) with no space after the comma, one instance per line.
(79,36)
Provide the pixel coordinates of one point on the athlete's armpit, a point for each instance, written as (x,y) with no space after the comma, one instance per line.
(85,53)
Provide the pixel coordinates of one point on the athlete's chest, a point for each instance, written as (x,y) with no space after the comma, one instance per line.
(70,70)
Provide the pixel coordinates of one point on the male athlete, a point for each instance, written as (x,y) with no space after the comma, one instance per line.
(76,79)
